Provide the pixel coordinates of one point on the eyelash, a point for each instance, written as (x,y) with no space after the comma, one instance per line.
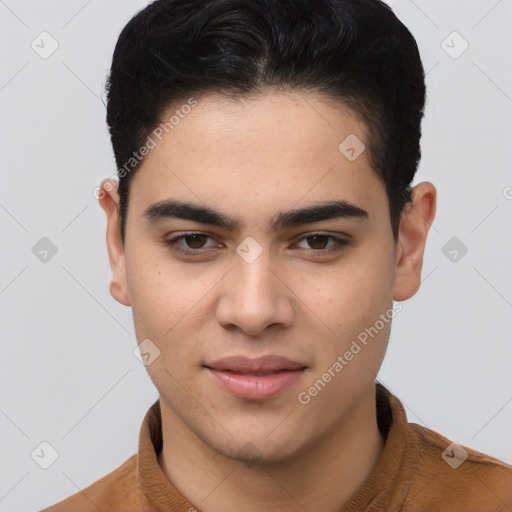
(340,244)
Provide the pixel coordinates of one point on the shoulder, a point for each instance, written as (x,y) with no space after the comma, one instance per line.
(116,491)
(450,476)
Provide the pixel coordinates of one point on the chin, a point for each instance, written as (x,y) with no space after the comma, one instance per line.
(259,450)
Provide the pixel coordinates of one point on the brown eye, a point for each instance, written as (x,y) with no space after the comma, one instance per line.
(195,241)
(190,243)
(322,244)
(318,241)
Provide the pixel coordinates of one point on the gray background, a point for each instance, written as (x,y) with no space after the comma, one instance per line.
(69,375)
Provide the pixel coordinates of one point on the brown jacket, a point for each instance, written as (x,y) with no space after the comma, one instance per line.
(418,470)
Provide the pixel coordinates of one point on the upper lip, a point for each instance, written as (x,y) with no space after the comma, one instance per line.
(243,364)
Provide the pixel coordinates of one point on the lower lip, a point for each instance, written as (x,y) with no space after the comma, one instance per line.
(253,387)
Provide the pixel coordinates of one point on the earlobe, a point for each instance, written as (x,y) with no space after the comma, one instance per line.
(109,202)
(414,227)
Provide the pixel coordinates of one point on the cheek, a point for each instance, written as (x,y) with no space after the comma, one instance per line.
(163,292)
(170,307)
(352,295)
(167,309)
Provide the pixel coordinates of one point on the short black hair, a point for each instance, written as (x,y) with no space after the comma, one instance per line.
(356,52)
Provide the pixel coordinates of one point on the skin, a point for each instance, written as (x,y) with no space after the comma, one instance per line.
(251,159)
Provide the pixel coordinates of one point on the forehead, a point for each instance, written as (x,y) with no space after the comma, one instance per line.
(271,120)
(270,149)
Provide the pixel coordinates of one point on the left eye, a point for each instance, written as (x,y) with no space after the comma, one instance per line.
(317,240)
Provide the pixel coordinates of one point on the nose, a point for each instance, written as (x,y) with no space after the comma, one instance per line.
(254,296)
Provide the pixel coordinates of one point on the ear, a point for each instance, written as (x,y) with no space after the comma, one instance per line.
(108,198)
(414,227)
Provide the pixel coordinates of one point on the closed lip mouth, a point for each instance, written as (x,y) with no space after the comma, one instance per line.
(263,364)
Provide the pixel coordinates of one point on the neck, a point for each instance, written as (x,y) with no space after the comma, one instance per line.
(323,477)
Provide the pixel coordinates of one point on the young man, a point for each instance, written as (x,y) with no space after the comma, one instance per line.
(263,227)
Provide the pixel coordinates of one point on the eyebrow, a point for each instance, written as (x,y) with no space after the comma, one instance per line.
(331,210)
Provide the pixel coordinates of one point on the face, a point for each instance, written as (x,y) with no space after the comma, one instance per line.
(253,281)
